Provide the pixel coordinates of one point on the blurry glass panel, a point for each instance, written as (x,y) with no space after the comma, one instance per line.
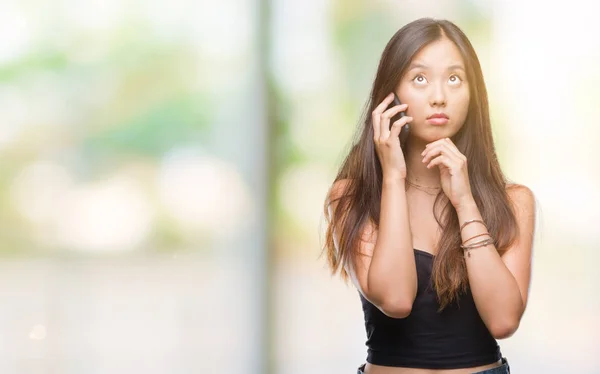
(132,187)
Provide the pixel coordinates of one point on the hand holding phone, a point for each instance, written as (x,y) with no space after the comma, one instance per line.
(388,143)
(405,129)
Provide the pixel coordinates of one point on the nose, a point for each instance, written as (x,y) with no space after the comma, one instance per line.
(438,96)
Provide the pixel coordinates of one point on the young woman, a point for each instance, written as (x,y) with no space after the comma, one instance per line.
(430,232)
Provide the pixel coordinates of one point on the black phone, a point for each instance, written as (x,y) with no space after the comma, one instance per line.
(405,129)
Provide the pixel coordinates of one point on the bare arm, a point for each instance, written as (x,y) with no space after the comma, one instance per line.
(384,270)
(500,284)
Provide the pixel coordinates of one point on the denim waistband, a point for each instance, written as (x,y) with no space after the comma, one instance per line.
(504,368)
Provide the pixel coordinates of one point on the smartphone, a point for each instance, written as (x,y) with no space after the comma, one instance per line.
(405,129)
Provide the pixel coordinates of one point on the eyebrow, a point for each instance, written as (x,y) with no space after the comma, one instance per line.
(422,66)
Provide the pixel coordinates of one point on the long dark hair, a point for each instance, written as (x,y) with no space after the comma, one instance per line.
(361,199)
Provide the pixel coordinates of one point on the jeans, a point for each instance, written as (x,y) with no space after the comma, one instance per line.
(502,369)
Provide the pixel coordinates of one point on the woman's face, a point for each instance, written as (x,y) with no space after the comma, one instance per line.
(435,83)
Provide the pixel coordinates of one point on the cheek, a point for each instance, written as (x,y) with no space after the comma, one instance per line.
(462,105)
(416,104)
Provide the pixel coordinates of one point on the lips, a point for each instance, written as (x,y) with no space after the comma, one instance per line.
(438,119)
(438,115)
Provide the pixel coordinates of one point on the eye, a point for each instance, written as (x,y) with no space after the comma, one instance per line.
(420,79)
(454,79)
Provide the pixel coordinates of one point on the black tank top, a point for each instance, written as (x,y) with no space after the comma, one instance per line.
(455,338)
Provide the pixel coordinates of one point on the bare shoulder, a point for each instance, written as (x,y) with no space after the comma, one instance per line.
(522,198)
(338,189)
(368,234)
(524,207)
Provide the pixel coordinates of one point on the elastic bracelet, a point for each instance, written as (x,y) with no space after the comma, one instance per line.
(467,251)
(473,237)
(471,221)
(478,244)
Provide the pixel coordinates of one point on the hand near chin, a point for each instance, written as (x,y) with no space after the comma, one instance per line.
(454,174)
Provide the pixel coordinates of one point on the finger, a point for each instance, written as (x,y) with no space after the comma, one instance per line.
(441,147)
(435,151)
(440,160)
(452,147)
(434,143)
(376,115)
(384,104)
(398,125)
(375,124)
(395,110)
(444,148)
(384,122)
(446,141)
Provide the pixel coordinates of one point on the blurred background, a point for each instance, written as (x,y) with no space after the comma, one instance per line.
(163,167)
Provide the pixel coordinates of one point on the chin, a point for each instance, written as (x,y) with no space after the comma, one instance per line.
(441,133)
(432,137)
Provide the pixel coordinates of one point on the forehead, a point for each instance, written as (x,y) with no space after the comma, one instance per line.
(439,54)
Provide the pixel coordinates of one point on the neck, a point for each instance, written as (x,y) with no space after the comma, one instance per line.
(417,171)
